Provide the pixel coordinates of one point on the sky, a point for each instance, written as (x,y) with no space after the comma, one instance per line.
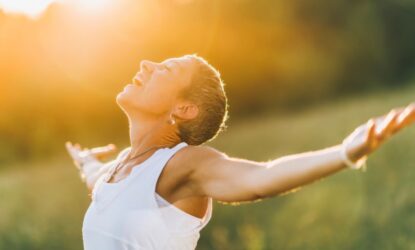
(30,8)
(34,8)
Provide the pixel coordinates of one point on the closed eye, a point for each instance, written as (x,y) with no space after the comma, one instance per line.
(167,67)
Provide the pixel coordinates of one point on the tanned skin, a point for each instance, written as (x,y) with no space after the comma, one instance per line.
(195,173)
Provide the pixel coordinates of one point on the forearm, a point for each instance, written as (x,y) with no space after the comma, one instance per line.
(231,179)
(293,171)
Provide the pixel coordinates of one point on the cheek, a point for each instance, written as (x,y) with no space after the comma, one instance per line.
(160,94)
(159,100)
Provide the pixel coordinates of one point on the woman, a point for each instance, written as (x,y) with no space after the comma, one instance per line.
(157,194)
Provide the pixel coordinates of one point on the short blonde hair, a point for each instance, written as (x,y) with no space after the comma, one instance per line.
(206,90)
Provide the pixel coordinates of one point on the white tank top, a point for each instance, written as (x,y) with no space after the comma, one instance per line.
(130,214)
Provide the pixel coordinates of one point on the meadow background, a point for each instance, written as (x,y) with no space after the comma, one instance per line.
(300,76)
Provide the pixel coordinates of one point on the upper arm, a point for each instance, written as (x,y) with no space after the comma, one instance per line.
(224,178)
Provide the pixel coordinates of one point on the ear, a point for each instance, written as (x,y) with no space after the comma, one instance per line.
(186,110)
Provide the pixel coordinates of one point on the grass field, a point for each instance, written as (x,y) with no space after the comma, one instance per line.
(42,204)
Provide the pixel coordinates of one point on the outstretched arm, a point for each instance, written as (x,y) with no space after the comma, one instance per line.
(89,161)
(231,179)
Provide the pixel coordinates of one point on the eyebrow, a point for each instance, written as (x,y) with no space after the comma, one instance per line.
(179,65)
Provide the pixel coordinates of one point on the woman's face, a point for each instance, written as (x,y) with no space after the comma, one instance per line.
(155,88)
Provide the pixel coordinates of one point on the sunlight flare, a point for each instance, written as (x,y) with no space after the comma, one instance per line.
(33,8)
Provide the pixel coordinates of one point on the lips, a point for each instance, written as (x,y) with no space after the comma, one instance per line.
(128,86)
(138,80)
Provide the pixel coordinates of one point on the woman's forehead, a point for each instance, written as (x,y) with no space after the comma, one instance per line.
(181,62)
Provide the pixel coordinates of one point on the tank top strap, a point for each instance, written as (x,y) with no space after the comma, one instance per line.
(162,160)
(123,153)
(144,177)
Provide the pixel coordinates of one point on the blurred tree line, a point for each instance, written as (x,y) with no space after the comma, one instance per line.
(60,74)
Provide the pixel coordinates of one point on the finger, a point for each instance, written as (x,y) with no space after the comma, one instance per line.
(73,154)
(109,147)
(380,119)
(79,148)
(371,129)
(371,133)
(68,145)
(72,150)
(69,149)
(387,126)
(103,151)
(407,116)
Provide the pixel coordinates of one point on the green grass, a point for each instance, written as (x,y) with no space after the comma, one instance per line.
(42,204)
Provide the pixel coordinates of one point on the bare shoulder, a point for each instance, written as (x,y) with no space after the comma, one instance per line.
(196,156)
(190,158)
(181,167)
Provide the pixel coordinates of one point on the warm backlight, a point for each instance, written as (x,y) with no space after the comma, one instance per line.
(34,8)
(30,8)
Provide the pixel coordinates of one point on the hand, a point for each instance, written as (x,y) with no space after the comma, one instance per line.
(80,156)
(369,136)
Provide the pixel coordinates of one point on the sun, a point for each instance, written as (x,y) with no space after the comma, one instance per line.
(35,8)
(90,5)
(30,8)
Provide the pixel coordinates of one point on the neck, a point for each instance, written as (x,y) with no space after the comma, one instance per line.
(147,133)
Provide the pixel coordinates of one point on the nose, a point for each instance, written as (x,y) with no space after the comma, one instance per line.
(147,65)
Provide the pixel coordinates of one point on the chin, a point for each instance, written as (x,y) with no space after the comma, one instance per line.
(122,100)
(125,102)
